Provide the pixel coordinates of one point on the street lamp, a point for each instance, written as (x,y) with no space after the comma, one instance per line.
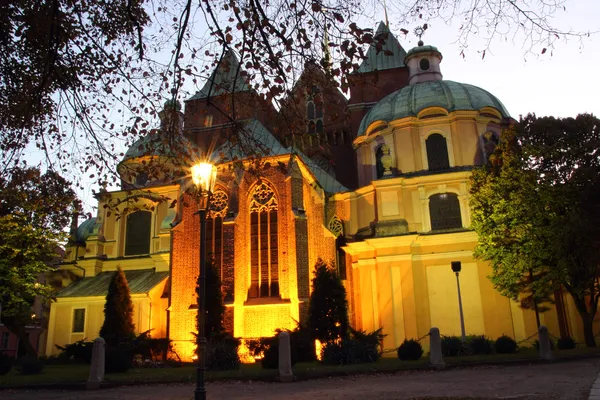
(456,267)
(204,176)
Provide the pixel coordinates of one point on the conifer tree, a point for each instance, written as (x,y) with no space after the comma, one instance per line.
(118,311)
(328,308)
(214,303)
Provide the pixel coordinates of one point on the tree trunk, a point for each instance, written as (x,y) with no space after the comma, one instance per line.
(24,340)
(588,329)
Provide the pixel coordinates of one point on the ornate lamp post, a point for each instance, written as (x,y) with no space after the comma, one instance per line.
(456,267)
(204,176)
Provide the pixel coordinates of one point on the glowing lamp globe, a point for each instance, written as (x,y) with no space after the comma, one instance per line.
(204,176)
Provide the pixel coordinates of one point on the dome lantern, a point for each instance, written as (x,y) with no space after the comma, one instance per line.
(423,64)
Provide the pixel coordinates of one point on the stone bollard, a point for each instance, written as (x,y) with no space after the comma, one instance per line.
(285,358)
(436,359)
(544,343)
(97,365)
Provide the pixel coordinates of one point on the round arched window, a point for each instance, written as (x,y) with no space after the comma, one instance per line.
(424,64)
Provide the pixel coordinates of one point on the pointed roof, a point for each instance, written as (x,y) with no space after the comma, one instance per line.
(228,77)
(391,55)
(258,140)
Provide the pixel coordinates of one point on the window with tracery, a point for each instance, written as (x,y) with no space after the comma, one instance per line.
(137,233)
(437,152)
(264,256)
(219,203)
(444,211)
(314,110)
(336,226)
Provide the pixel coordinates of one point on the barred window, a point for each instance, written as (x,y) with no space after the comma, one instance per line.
(137,237)
(444,211)
(78,320)
(264,256)
(437,152)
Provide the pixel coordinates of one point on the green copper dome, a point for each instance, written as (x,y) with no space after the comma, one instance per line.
(157,145)
(86,229)
(410,100)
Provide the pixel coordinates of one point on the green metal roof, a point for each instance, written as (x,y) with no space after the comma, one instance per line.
(422,49)
(254,139)
(258,140)
(390,55)
(226,78)
(140,281)
(86,229)
(410,100)
(159,144)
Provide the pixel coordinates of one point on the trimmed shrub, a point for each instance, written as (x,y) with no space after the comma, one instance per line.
(30,366)
(410,350)
(505,345)
(361,347)
(223,354)
(452,346)
(118,358)
(6,363)
(479,344)
(151,348)
(79,351)
(118,311)
(566,343)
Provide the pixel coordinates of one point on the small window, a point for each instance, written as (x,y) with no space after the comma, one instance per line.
(444,211)
(437,152)
(137,237)
(5,340)
(424,64)
(78,320)
(141,179)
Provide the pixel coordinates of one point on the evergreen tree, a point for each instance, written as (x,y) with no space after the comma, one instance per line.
(118,311)
(214,303)
(328,308)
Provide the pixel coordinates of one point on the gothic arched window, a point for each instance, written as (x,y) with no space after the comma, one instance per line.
(437,152)
(264,256)
(219,203)
(444,211)
(337,228)
(137,233)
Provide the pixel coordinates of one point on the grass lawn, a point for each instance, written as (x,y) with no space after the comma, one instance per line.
(70,375)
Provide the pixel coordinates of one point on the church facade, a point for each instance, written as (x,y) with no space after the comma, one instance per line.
(376,183)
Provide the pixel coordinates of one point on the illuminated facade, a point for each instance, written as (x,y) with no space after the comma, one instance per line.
(378,183)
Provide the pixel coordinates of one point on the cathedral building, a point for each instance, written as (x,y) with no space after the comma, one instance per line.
(377,183)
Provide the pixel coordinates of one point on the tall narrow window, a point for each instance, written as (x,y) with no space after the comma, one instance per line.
(137,235)
(337,228)
(78,320)
(264,256)
(437,152)
(314,110)
(444,211)
(5,340)
(214,228)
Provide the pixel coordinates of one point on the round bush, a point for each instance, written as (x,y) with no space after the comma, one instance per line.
(410,350)
(31,366)
(5,364)
(565,343)
(452,346)
(505,345)
(480,345)
(118,359)
(223,354)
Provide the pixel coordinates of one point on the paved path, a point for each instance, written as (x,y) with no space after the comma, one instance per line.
(561,380)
